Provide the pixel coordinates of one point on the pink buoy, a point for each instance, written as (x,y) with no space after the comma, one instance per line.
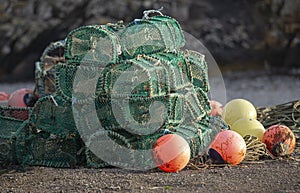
(216,108)
(18,98)
(21,98)
(4,96)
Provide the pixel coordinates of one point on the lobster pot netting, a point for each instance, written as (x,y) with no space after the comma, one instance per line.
(138,82)
(45,68)
(101,45)
(142,82)
(54,139)
(193,67)
(13,134)
(92,44)
(131,84)
(122,131)
(53,151)
(151,35)
(130,75)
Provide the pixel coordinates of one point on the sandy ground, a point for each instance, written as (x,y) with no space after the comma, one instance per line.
(281,175)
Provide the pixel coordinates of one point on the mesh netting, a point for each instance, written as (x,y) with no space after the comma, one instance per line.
(54,139)
(45,69)
(198,69)
(92,44)
(192,64)
(13,133)
(54,115)
(255,149)
(287,114)
(92,159)
(151,35)
(51,150)
(136,77)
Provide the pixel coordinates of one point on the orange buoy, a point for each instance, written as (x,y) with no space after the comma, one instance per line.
(171,153)
(228,147)
(280,140)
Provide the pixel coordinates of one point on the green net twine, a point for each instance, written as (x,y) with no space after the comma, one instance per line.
(95,45)
(45,68)
(151,35)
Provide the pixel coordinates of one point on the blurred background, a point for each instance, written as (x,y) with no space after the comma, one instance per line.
(240,34)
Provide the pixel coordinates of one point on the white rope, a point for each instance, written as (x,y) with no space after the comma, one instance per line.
(147,12)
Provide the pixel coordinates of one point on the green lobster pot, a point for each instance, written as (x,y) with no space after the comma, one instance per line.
(45,68)
(13,134)
(92,44)
(118,137)
(130,83)
(54,115)
(64,80)
(193,67)
(170,25)
(140,77)
(50,150)
(151,35)
(198,69)
(81,83)
(192,64)
(55,141)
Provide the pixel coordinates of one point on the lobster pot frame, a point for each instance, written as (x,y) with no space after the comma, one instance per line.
(13,134)
(95,45)
(193,66)
(79,84)
(54,138)
(45,68)
(151,35)
(135,78)
(131,114)
(131,84)
(96,162)
(197,68)
(123,94)
(50,150)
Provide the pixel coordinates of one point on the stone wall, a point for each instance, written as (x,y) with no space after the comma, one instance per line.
(236,32)
(282,32)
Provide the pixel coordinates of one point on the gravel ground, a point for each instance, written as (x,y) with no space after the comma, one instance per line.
(262,176)
(282,175)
